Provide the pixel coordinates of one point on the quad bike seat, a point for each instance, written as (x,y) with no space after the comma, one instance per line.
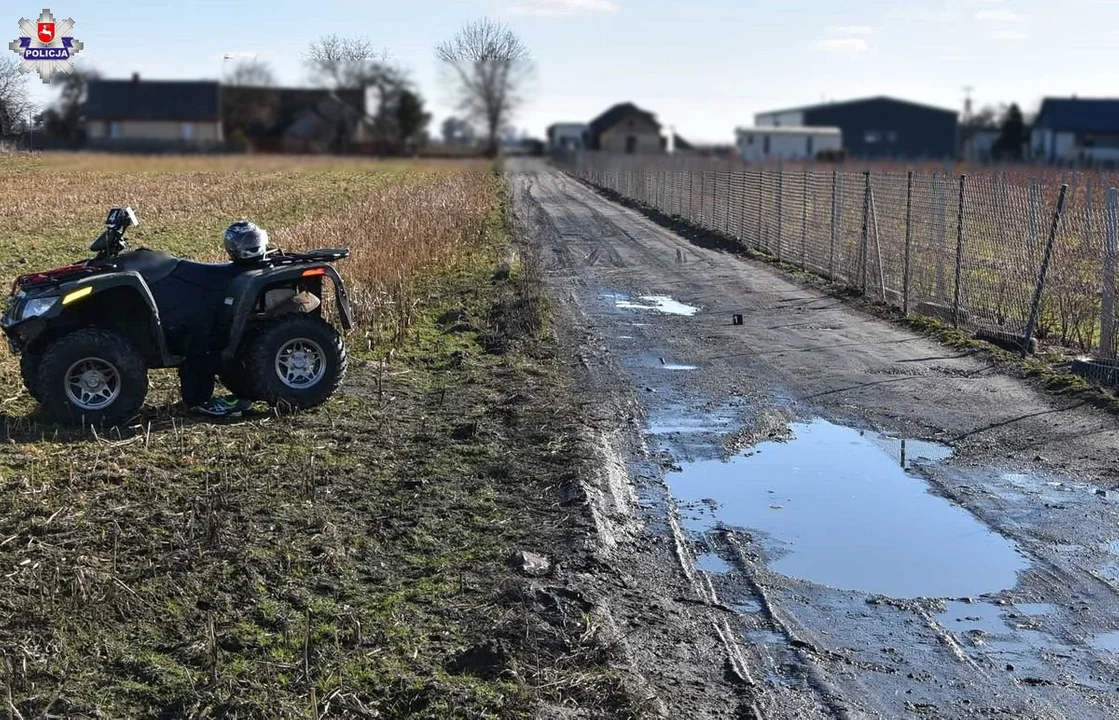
(157,267)
(207,276)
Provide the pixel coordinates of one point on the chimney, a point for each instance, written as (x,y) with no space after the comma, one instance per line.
(135,77)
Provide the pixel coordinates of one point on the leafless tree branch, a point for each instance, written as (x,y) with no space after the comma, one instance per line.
(347,62)
(251,72)
(488,67)
(15,101)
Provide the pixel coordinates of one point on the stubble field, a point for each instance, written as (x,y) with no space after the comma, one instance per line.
(347,562)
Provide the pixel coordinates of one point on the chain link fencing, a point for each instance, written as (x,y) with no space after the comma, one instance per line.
(969,250)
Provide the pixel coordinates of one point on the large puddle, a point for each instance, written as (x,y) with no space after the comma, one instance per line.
(841,507)
(656,303)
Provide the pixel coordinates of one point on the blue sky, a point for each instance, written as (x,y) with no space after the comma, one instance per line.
(703,66)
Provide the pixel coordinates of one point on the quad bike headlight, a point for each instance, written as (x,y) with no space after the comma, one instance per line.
(38,306)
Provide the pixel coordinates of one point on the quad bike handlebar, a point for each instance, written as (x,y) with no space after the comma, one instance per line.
(111,242)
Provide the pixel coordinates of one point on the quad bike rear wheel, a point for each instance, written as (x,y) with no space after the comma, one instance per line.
(91,377)
(294,362)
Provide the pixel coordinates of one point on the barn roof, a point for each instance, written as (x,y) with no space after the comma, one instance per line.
(858,101)
(616,114)
(157,100)
(789,130)
(1079,114)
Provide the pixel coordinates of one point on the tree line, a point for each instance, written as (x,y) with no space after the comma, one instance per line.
(485,66)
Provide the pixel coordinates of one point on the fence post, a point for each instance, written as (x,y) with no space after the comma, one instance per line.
(959,256)
(761,206)
(780,207)
(1088,213)
(714,195)
(878,248)
(863,246)
(730,191)
(834,215)
(702,192)
(1107,309)
(908,243)
(741,234)
(1035,307)
(691,196)
(804,222)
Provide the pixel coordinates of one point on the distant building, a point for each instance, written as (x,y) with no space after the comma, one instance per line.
(758,144)
(1076,130)
(567,136)
(980,145)
(152,115)
(878,127)
(626,128)
(295,119)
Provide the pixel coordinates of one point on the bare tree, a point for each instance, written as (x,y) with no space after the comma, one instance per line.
(489,66)
(251,72)
(15,102)
(347,62)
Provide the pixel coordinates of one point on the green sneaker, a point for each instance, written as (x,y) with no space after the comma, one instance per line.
(217,407)
(241,404)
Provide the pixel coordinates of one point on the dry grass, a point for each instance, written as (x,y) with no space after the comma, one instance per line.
(400,219)
(341,563)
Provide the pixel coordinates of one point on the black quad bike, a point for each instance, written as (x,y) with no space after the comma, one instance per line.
(87,333)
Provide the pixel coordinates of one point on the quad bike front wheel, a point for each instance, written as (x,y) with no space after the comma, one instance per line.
(29,363)
(294,362)
(91,377)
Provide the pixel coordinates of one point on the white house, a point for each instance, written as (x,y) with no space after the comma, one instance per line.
(567,136)
(979,147)
(1076,129)
(758,144)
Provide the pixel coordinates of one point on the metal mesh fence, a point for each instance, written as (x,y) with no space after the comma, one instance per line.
(966,249)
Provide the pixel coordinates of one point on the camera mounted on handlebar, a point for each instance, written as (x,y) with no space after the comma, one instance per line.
(112,242)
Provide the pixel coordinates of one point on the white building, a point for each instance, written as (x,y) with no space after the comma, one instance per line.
(567,136)
(1076,130)
(758,144)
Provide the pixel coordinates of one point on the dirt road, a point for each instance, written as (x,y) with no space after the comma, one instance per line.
(815,513)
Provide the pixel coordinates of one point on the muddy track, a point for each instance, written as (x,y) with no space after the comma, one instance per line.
(816,513)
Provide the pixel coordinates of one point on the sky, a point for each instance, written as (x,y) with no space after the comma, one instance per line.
(703,67)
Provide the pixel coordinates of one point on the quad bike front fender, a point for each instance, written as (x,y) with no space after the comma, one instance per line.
(100,297)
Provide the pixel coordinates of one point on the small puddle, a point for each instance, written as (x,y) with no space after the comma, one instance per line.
(678,366)
(656,303)
(1108,642)
(712,563)
(836,506)
(962,617)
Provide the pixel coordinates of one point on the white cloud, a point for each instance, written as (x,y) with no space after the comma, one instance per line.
(852,30)
(563,8)
(1001,15)
(1009,35)
(852,44)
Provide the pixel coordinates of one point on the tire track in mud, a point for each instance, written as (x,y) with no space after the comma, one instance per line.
(753,696)
(561,236)
(567,192)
